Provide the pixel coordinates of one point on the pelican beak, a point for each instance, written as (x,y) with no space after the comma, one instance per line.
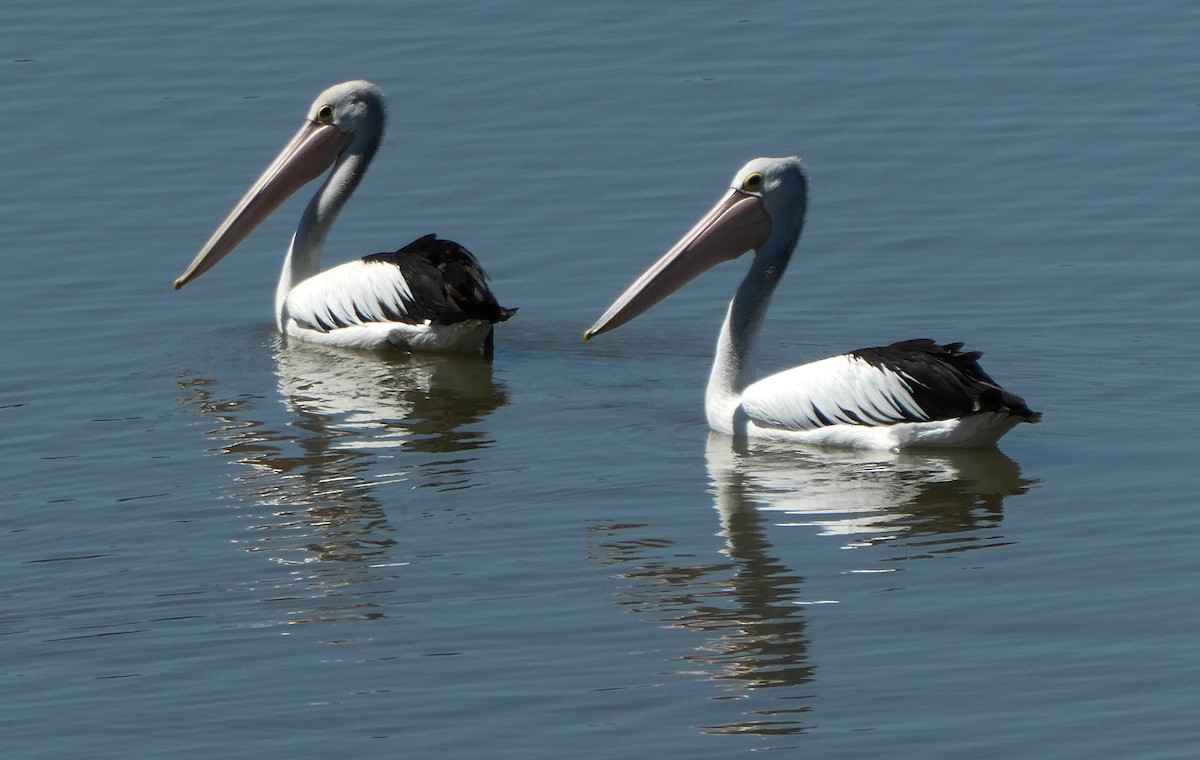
(314,148)
(738,223)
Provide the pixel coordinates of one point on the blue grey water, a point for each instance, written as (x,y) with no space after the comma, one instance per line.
(217,545)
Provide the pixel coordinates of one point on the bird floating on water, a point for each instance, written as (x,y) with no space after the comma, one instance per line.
(915,393)
(431,295)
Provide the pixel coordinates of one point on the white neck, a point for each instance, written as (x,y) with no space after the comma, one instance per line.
(303,258)
(731,366)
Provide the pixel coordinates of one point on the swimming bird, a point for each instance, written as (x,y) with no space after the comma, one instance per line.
(430,295)
(915,393)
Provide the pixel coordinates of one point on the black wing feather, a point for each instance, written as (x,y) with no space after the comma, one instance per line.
(446,282)
(945,381)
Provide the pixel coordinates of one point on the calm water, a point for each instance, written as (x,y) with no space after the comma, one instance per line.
(217,545)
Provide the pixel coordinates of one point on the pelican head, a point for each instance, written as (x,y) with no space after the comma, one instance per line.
(346,118)
(764,207)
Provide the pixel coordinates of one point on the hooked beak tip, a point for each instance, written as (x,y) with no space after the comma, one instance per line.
(587,335)
(179,283)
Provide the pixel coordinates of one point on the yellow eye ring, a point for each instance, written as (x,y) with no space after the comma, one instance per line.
(753,183)
(325,113)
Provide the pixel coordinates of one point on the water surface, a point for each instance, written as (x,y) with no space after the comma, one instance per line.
(221,545)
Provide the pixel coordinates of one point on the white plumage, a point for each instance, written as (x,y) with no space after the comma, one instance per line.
(842,389)
(354,292)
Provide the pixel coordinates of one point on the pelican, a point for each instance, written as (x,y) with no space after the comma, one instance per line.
(431,295)
(914,393)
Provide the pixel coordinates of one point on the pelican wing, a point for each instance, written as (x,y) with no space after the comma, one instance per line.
(429,281)
(911,381)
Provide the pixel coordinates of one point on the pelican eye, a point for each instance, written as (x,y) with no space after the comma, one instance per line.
(325,113)
(753,183)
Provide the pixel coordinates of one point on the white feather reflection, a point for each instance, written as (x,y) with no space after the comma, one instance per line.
(749,607)
(308,481)
(364,401)
(943,501)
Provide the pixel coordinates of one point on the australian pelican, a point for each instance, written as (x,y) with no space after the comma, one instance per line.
(910,394)
(431,295)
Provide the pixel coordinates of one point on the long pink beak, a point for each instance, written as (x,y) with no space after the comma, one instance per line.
(738,223)
(314,148)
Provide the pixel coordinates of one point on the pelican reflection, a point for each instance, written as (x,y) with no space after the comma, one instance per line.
(309,478)
(749,606)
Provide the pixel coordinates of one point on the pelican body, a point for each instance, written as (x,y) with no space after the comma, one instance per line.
(430,295)
(915,393)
